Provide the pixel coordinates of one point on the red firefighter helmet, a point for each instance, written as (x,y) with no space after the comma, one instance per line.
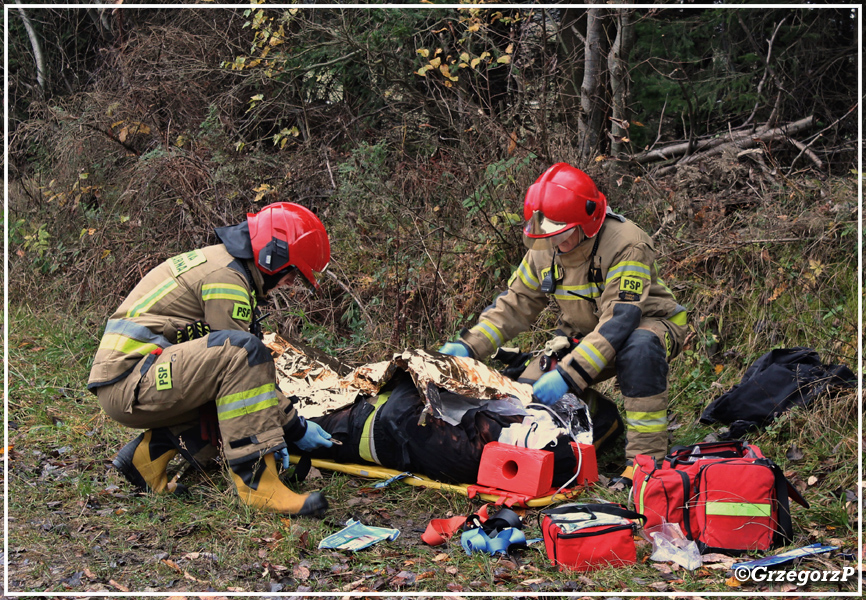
(560,200)
(285,235)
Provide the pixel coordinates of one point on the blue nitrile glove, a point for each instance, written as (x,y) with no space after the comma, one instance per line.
(549,388)
(314,438)
(455,349)
(283,456)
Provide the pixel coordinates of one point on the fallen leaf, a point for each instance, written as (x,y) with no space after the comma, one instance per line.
(171,564)
(812,480)
(732,582)
(440,557)
(186,575)
(454,587)
(452,570)
(301,572)
(659,586)
(120,587)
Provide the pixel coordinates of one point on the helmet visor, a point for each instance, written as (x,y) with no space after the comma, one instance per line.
(541,233)
(311,277)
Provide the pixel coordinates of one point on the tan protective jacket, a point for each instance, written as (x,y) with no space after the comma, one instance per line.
(208,284)
(602,313)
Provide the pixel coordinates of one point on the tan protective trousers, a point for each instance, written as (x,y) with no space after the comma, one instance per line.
(641,368)
(232,368)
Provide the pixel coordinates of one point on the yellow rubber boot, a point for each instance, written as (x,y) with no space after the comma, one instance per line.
(624,479)
(259,486)
(143,462)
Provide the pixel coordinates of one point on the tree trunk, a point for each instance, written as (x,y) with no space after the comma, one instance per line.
(617,64)
(36,44)
(591,105)
(572,39)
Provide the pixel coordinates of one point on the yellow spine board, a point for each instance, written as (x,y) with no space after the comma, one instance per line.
(377,472)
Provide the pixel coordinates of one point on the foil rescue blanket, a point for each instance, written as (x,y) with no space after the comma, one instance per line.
(319,389)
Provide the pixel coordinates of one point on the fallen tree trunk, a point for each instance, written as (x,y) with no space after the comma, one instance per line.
(740,140)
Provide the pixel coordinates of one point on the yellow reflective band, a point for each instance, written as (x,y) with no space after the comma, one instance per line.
(681,318)
(155,296)
(490,331)
(224,291)
(647,422)
(367,448)
(125,345)
(592,355)
(245,403)
(526,276)
(640,500)
(587,290)
(738,509)
(629,267)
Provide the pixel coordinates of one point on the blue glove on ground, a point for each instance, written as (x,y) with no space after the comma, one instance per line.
(455,349)
(314,438)
(549,388)
(283,456)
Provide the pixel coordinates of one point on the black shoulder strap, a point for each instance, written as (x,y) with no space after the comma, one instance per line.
(610,509)
(595,275)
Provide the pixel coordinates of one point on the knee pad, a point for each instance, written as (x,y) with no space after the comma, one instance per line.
(641,365)
(257,352)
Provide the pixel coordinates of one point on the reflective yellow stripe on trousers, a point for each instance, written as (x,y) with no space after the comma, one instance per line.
(367,447)
(647,422)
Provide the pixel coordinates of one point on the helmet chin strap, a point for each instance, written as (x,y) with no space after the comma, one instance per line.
(271,281)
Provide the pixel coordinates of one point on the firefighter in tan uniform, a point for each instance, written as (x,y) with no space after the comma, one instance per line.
(182,358)
(617,317)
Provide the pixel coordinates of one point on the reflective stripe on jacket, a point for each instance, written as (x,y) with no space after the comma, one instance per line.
(601,314)
(206,284)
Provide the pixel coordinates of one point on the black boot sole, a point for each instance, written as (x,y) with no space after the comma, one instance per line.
(315,505)
(123,463)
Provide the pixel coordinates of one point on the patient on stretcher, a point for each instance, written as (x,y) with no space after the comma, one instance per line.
(432,414)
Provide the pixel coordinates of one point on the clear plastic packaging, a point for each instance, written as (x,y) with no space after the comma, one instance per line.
(670,545)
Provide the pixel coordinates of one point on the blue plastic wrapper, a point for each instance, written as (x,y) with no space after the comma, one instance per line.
(357,536)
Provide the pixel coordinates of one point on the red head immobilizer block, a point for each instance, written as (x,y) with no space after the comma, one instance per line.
(585,455)
(514,469)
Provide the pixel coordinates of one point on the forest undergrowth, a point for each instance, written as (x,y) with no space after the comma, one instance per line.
(425,233)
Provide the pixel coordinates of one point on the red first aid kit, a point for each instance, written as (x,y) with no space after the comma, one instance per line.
(586,537)
(726,496)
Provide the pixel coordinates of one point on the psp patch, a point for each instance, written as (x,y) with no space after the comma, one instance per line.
(630,289)
(163,377)
(242,312)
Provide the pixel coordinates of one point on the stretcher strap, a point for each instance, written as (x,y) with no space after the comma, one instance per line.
(439,530)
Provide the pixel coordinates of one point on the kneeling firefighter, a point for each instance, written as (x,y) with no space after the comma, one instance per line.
(182,358)
(617,317)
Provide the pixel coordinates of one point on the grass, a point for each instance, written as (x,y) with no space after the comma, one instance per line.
(75,525)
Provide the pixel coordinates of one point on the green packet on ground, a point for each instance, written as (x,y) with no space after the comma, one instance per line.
(357,536)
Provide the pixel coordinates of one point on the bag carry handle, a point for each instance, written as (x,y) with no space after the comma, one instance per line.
(681,454)
(617,510)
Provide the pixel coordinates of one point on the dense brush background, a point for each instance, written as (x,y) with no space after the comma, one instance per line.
(154,126)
